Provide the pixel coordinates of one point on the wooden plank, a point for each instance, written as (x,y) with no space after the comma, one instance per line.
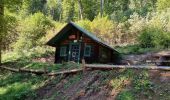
(10,69)
(41,72)
(23,70)
(157,61)
(83,65)
(38,72)
(104,66)
(65,72)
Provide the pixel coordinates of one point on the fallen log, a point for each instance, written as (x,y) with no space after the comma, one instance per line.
(10,69)
(40,72)
(87,66)
(104,66)
(65,72)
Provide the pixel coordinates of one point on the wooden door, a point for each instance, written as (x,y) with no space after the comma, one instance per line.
(74,52)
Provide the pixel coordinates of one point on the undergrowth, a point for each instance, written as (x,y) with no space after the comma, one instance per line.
(16,86)
(136,49)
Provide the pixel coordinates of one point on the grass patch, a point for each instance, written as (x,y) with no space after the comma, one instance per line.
(72,80)
(27,55)
(125,95)
(42,66)
(16,86)
(118,82)
(142,85)
(136,49)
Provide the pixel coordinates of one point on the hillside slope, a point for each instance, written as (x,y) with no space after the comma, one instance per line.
(101,85)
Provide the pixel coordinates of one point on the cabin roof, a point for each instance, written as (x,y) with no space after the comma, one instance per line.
(53,41)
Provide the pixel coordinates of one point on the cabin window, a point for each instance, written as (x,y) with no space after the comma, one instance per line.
(63,51)
(87,51)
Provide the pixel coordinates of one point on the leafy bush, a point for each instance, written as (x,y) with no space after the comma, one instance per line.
(85,24)
(103,28)
(32,29)
(152,37)
(163,4)
(39,51)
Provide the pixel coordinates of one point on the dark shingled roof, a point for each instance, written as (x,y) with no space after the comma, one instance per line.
(52,42)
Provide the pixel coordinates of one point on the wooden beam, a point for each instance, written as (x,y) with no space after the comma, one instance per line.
(10,69)
(86,67)
(104,66)
(41,72)
(83,65)
(65,72)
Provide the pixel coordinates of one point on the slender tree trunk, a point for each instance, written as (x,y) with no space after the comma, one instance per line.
(80,9)
(101,7)
(1,27)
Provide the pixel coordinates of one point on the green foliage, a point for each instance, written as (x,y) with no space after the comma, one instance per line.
(163,4)
(32,29)
(16,91)
(68,10)
(147,38)
(19,86)
(104,30)
(125,95)
(136,49)
(32,53)
(9,33)
(142,83)
(85,24)
(32,6)
(27,21)
(91,8)
(154,38)
(118,82)
(53,8)
(72,80)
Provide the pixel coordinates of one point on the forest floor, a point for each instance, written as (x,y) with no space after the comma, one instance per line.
(120,84)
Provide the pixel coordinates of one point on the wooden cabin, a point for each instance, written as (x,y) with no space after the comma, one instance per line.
(74,43)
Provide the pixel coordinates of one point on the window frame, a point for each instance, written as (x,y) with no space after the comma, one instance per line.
(63,49)
(87,46)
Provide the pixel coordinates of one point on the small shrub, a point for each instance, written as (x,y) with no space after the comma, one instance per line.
(142,83)
(152,37)
(125,95)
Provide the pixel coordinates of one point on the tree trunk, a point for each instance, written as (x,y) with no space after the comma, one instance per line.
(80,9)
(101,7)
(1,27)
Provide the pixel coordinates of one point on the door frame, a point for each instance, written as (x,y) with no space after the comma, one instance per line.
(69,53)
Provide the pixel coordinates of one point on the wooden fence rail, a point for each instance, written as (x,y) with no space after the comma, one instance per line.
(87,67)
(41,72)
(105,66)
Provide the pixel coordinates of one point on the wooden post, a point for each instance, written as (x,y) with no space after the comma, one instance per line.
(83,65)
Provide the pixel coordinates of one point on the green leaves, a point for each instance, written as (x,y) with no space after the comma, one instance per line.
(163,4)
(32,29)
(152,37)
